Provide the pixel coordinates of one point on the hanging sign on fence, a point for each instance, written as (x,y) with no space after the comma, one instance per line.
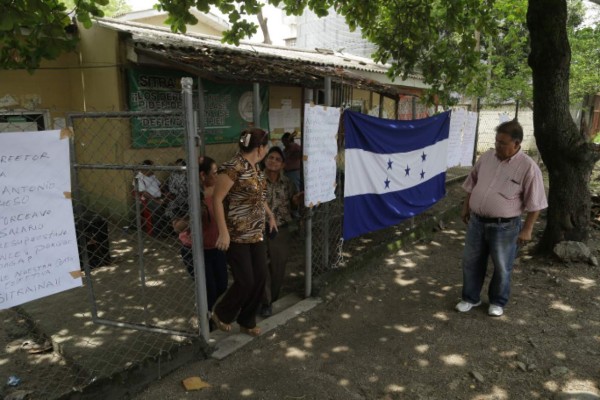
(320,152)
(461,140)
(228,108)
(38,243)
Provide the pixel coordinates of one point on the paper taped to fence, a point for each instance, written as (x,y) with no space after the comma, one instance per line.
(38,245)
(320,151)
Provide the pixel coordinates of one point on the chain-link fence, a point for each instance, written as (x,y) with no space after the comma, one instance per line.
(491,116)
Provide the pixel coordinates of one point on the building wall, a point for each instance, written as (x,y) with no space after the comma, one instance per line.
(331,32)
(54,88)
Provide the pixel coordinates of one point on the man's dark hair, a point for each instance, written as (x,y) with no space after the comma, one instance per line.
(147,162)
(512,128)
(277,150)
(286,136)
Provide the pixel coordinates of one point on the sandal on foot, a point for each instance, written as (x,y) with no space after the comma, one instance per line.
(222,326)
(251,331)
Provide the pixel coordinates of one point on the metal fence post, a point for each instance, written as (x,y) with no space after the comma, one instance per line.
(256,104)
(201,118)
(476,131)
(325,206)
(308,97)
(195,210)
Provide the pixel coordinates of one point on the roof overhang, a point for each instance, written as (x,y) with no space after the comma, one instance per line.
(209,58)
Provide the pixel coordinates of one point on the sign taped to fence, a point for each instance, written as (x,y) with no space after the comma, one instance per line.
(320,151)
(38,243)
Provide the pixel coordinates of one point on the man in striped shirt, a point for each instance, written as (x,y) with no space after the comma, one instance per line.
(504,183)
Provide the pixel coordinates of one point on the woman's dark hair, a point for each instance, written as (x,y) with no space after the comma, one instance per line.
(252,138)
(205,164)
(512,128)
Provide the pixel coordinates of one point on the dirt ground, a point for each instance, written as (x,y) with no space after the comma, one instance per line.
(388,330)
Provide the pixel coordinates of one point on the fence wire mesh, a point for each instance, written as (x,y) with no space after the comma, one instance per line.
(491,116)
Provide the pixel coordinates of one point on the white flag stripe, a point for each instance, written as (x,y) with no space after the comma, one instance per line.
(375,169)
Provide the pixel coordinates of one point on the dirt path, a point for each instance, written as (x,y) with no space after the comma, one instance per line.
(389,331)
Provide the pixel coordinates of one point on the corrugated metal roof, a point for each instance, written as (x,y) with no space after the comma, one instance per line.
(209,57)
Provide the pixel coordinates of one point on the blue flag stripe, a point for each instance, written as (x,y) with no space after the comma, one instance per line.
(406,135)
(368,213)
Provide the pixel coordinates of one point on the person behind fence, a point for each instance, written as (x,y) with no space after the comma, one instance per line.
(293,159)
(240,207)
(215,263)
(148,187)
(503,184)
(176,191)
(282,196)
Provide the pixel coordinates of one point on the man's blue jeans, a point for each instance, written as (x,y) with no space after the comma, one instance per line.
(485,240)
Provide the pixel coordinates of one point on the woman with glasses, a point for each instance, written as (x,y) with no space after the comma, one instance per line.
(240,205)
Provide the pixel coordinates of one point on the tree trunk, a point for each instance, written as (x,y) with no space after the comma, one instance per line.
(262,21)
(567,155)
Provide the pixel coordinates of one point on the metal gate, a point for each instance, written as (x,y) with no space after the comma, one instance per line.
(130,251)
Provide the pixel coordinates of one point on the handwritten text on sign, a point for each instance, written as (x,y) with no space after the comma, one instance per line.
(38,247)
(320,150)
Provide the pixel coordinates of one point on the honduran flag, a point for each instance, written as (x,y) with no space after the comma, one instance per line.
(394,169)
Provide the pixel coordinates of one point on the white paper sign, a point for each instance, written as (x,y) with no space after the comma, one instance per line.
(287,119)
(461,138)
(458,118)
(38,245)
(503,117)
(320,152)
(468,140)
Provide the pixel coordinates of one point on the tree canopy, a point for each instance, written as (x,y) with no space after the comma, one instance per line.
(473,47)
(34,30)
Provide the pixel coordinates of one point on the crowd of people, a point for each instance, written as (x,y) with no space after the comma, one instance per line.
(249,202)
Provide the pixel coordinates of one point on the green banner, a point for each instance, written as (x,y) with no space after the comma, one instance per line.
(228,108)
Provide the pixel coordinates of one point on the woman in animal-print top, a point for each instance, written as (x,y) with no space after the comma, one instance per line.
(240,206)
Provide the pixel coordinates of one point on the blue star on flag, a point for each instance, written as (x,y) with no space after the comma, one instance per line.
(407,170)
(423,156)
(422,174)
(390,162)
(387,183)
